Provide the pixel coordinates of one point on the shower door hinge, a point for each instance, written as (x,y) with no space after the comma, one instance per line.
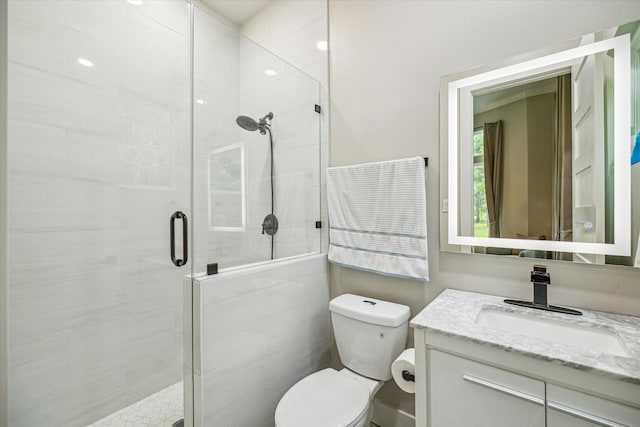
(318,224)
(317,108)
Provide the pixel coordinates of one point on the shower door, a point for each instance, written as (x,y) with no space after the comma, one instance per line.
(99,148)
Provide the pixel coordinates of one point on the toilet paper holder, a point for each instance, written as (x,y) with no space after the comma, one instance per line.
(408,376)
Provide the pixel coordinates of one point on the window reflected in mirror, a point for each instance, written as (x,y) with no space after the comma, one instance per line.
(480,213)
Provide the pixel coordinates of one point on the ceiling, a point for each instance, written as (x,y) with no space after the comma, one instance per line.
(237,11)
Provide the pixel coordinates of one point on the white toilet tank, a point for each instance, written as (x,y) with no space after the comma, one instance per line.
(369,333)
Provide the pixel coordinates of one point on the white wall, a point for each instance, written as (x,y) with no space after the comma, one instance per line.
(258,330)
(387,58)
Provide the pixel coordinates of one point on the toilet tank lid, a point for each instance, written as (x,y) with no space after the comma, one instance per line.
(370,310)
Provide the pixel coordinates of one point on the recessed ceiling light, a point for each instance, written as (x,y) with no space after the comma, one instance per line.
(270,72)
(135,2)
(201,101)
(85,62)
(322,45)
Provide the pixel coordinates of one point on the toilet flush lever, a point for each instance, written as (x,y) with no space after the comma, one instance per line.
(366,301)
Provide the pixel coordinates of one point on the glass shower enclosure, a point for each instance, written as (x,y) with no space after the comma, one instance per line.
(245,175)
(127,172)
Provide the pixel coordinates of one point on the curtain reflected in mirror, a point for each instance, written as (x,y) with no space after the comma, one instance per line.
(562,207)
(493,175)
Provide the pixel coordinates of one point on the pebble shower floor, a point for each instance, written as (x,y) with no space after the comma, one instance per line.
(161,409)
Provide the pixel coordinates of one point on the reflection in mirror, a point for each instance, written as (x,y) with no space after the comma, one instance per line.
(520,127)
(227,191)
(537,152)
(527,131)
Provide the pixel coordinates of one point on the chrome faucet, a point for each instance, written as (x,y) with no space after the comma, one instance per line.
(541,280)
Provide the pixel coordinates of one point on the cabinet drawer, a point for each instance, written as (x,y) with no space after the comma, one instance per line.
(570,408)
(466,393)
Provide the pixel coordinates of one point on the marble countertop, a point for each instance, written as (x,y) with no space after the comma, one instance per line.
(453,313)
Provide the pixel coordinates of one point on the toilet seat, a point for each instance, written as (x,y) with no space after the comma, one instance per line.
(324,399)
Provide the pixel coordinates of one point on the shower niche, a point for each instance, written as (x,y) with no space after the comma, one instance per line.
(227,189)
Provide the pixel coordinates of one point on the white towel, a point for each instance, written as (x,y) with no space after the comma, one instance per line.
(378,218)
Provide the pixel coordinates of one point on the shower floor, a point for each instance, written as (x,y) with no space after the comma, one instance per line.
(161,409)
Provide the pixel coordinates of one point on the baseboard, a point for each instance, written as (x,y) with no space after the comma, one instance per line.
(387,416)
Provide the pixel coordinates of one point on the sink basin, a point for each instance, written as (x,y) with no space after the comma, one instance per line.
(599,339)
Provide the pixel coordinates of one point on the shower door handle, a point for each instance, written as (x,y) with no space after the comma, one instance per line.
(185,239)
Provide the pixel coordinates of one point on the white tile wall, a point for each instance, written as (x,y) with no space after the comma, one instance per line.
(234,78)
(99,159)
(262,329)
(291,29)
(216,83)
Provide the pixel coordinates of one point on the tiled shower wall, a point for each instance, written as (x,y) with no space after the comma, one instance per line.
(291,29)
(98,161)
(216,86)
(291,95)
(257,331)
(230,80)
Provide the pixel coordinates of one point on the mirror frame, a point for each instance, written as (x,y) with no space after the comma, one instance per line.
(457,108)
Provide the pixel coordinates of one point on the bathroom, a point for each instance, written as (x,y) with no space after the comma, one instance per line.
(386,61)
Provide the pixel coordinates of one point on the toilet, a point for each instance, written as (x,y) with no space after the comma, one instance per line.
(369,334)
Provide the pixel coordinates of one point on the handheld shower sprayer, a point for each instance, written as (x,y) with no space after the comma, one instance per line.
(270,222)
(263,124)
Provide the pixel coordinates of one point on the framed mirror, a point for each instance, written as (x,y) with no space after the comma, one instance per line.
(538,153)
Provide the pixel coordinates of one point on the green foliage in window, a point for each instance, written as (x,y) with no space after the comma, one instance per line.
(480,213)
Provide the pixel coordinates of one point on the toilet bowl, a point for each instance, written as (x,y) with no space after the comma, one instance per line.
(369,334)
(327,398)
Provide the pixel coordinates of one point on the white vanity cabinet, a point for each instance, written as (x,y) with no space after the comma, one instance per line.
(466,393)
(570,408)
(463,392)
